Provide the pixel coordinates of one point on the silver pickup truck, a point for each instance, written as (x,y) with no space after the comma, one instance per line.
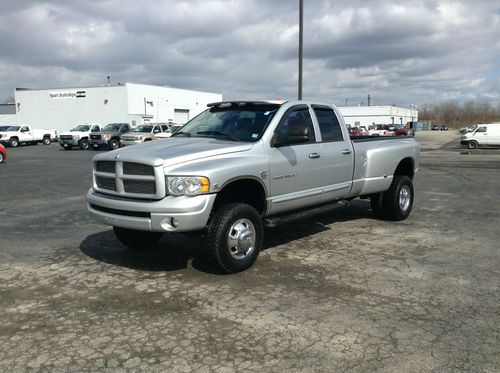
(240,166)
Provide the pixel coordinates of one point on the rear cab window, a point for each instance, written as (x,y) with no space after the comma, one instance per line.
(329,125)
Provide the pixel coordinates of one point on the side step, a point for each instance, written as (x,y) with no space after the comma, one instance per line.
(273,221)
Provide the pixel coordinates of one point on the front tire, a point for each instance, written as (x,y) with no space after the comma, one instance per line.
(136,239)
(67,147)
(14,142)
(114,144)
(46,140)
(234,237)
(472,145)
(84,144)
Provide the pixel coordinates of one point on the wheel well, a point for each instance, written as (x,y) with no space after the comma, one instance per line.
(46,135)
(246,191)
(405,167)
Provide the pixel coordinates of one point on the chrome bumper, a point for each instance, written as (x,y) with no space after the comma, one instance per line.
(68,142)
(171,214)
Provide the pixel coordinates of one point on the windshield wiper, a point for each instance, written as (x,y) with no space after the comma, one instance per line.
(217,133)
(187,134)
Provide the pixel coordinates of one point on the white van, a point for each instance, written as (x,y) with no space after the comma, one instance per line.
(483,135)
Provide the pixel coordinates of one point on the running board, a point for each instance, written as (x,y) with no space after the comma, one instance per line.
(273,221)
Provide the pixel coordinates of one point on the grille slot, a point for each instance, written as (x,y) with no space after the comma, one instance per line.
(139,186)
(130,168)
(138,214)
(106,183)
(105,166)
(66,137)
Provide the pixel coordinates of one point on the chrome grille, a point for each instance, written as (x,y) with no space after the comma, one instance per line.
(130,168)
(106,182)
(105,166)
(129,179)
(95,137)
(66,137)
(139,186)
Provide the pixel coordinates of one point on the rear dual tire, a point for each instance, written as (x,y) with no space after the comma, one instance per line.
(397,202)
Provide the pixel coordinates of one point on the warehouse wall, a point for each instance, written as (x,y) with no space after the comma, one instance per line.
(160,104)
(66,108)
(367,115)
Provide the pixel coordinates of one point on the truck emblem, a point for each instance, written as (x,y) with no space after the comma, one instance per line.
(117,156)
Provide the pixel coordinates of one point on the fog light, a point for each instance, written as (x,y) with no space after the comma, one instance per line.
(175,222)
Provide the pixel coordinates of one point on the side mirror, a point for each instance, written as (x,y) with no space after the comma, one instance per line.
(297,134)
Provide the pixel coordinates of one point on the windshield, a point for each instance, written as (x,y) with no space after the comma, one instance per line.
(82,128)
(112,127)
(231,121)
(13,128)
(143,129)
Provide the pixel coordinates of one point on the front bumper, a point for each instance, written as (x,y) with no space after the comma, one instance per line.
(98,143)
(464,142)
(68,142)
(130,142)
(170,214)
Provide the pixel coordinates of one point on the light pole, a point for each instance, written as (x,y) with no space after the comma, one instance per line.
(301,34)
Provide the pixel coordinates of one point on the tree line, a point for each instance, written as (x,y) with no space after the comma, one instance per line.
(457,115)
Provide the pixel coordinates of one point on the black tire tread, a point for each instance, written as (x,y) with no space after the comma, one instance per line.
(216,234)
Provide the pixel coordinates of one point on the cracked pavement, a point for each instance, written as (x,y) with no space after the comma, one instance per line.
(340,292)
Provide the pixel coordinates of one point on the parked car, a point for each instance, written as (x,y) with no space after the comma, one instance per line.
(16,135)
(469,128)
(140,134)
(402,131)
(390,129)
(167,130)
(109,136)
(363,131)
(240,166)
(483,135)
(443,127)
(78,136)
(3,154)
(435,127)
(354,131)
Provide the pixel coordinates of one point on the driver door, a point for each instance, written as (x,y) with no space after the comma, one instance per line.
(295,168)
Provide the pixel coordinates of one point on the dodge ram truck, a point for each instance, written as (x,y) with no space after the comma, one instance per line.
(241,166)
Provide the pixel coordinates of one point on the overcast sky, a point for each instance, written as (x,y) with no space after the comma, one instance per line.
(400,52)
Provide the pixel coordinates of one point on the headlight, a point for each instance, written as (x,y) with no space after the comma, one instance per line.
(106,136)
(138,138)
(187,185)
(76,137)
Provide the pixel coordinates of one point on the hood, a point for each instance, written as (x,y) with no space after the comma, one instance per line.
(174,150)
(68,133)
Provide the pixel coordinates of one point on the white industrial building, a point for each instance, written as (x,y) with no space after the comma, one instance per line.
(368,115)
(65,108)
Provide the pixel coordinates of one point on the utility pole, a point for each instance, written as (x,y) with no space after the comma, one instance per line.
(301,51)
(369,99)
(346,101)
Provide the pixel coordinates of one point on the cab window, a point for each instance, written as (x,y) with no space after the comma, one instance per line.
(299,118)
(25,129)
(328,124)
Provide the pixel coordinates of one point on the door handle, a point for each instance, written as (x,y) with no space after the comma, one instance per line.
(346,151)
(314,155)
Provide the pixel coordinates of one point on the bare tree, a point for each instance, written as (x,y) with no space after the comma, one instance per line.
(457,115)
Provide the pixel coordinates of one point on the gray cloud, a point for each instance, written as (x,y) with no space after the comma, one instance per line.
(400,52)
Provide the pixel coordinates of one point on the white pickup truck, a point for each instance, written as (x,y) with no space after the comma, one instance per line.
(78,136)
(16,135)
(243,165)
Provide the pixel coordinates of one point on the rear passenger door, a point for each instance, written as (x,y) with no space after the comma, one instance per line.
(337,155)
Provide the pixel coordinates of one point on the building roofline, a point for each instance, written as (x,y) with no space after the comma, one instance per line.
(109,86)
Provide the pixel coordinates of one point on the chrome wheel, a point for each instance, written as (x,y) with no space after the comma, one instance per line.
(241,239)
(404,198)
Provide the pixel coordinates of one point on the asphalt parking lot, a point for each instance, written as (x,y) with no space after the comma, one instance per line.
(341,292)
